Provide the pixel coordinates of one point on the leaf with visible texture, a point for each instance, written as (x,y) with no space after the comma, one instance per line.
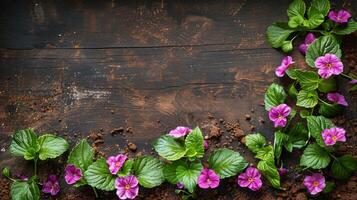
(316,124)
(323,6)
(320,47)
(315,157)
(308,80)
(126,169)
(343,167)
(347,29)
(99,176)
(265,153)
(255,142)
(270,172)
(169,171)
(327,85)
(51,146)
(274,96)
(307,99)
(330,110)
(227,163)
(315,18)
(296,8)
(292,91)
(169,148)
(298,137)
(279,138)
(25,190)
(329,187)
(148,170)
(194,144)
(81,156)
(277,33)
(24,143)
(188,174)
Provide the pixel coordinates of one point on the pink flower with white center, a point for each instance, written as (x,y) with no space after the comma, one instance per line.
(333,135)
(73,174)
(340,16)
(208,179)
(337,98)
(127,187)
(315,183)
(328,65)
(251,179)
(116,162)
(280,70)
(279,114)
(51,186)
(308,40)
(179,131)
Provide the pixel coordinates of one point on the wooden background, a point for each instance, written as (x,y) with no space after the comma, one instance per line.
(78,67)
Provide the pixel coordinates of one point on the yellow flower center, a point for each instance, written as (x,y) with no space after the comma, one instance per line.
(117,164)
(315,183)
(329,65)
(208,180)
(334,138)
(127,187)
(250,180)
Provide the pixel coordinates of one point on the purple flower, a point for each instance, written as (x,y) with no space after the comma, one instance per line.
(353,81)
(341,16)
(332,135)
(329,65)
(127,187)
(208,179)
(116,162)
(282,171)
(280,70)
(73,174)
(251,179)
(308,40)
(51,185)
(337,98)
(205,144)
(278,115)
(179,131)
(315,183)
(180,185)
(22,177)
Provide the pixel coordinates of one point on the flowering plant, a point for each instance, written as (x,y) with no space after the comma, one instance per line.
(183,150)
(27,144)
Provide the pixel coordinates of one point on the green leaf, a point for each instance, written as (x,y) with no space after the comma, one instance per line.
(188,175)
(279,138)
(323,6)
(315,157)
(307,99)
(25,190)
(287,46)
(277,33)
(292,91)
(330,110)
(227,163)
(169,171)
(148,170)
(270,172)
(274,96)
(320,47)
(347,29)
(291,73)
(6,172)
(316,124)
(308,80)
(126,169)
(99,176)
(296,8)
(169,148)
(255,142)
(51,146)
(295,21)
(329,187)
(327,85)
(298,137)
(24,143)
(265,153)
(304,113)
(315,18)
(343,167)
(194,144)
(81,156)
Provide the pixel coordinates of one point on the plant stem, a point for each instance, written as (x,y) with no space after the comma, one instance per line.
(333,156)
(346,76)
(323,101)
(35,166)
(95,192)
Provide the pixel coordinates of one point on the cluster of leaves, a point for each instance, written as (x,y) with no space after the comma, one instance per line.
(27,144)
(147,169)
(184,160)
(303,19)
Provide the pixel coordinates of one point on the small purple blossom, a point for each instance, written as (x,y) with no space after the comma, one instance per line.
(127,187)
(180,185)
(308,40)
(51,186)
(337,98)
(282,171)
(205,144)
(179,131)
(332,135)
(22,177)
(315,183)
(353,81)
(72,174)
(280,70)
(116,162)
(340,16)
(279,114)
(251,179)
(208,179)
(328,65)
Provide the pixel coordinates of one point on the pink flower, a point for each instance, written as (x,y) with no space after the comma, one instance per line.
(51,186)
(332,135)
(73,174)
(328,65)
(180,185)
(279,114)
(205,144)
(251,179)
(337,98)
(22,177)
(308,40)
(127,187)
(282,171)
(353,81)
(116,162)
(315,183)
(179,131)
(280,70)
(341,16)
(208,179)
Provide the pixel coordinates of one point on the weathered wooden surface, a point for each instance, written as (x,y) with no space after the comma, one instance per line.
(76,67)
